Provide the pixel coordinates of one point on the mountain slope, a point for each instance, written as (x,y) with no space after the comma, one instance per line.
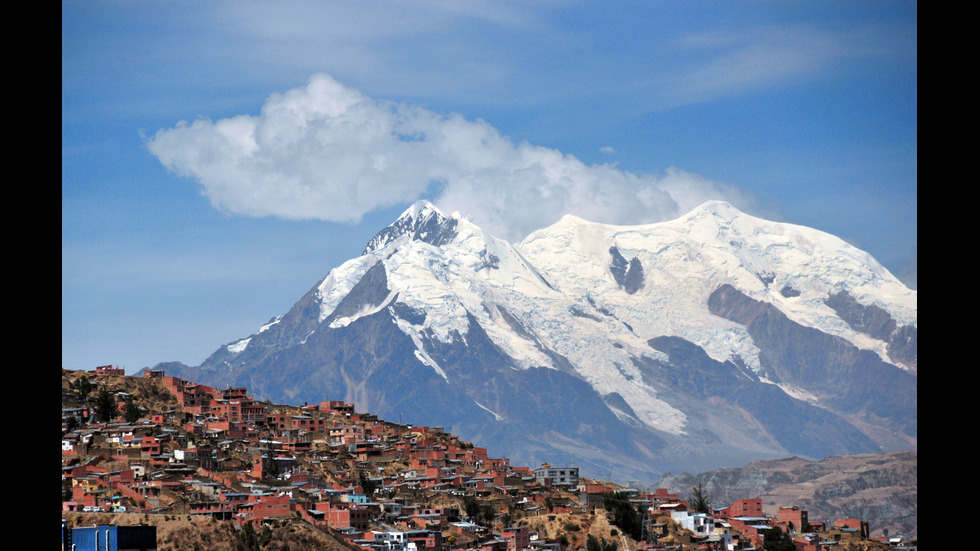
(711,340)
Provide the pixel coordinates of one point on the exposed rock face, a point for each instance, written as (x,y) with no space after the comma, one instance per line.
(852,382)
(878,323)
(870,320)
(425,224)
(370,292)
(789,292)
(628,275)
(903,346)
(810,430)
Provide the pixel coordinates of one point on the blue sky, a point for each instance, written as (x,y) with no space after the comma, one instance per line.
(219,158)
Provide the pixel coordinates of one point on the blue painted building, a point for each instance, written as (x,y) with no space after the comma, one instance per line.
(110,538)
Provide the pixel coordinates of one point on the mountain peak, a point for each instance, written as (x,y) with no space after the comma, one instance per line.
(420,222)
(712,337)
(721,210)
(717,208)
(422,209)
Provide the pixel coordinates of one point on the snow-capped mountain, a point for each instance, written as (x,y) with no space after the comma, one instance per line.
(710,340)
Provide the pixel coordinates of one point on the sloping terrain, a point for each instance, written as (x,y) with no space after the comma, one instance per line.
(880,488)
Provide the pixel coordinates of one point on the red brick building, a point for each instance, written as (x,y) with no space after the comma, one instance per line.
(751,528)
(346,515)
(337,406)
(108,370)
(860,526)
(795,515)
(741,508)
(149,445)
(193,397)
(662,497)
(425,539)
(303,423)
(265,507)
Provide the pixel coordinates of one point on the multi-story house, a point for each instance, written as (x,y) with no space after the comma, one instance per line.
(557,476)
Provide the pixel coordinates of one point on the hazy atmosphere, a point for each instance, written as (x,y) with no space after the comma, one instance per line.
(219,158)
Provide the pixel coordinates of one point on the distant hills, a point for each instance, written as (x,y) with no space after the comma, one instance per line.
(880,488)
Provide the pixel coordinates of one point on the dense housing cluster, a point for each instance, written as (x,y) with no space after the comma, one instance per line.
(378,485)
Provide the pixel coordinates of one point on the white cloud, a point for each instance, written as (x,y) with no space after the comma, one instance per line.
(326,151)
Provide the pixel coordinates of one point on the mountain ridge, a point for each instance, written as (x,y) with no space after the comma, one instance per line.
(436,311)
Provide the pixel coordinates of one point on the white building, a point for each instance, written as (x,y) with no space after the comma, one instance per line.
(392,541)
(559,476)
(699,523)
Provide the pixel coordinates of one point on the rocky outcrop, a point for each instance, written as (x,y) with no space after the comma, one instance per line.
(628,275)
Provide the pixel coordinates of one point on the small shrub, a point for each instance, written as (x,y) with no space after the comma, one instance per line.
(572,527)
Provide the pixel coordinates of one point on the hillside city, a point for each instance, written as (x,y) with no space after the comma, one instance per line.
(159,447)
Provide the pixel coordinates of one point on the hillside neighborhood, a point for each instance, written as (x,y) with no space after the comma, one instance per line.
(158,445)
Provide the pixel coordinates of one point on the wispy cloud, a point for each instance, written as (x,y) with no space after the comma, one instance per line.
(429,47)
(515,54)
(329,152)
(738,60)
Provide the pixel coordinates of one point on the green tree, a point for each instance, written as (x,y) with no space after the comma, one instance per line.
(132,410)
(270,467)
(700,501)
(71,423)
(777,540)
(367,485)
(472,507)
(489,512)
(624,515)
(84,386)
(105,406)
(594,544)
(248,540)
(266,537)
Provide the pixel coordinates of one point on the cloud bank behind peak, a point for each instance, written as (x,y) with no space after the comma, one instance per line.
(326,151)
